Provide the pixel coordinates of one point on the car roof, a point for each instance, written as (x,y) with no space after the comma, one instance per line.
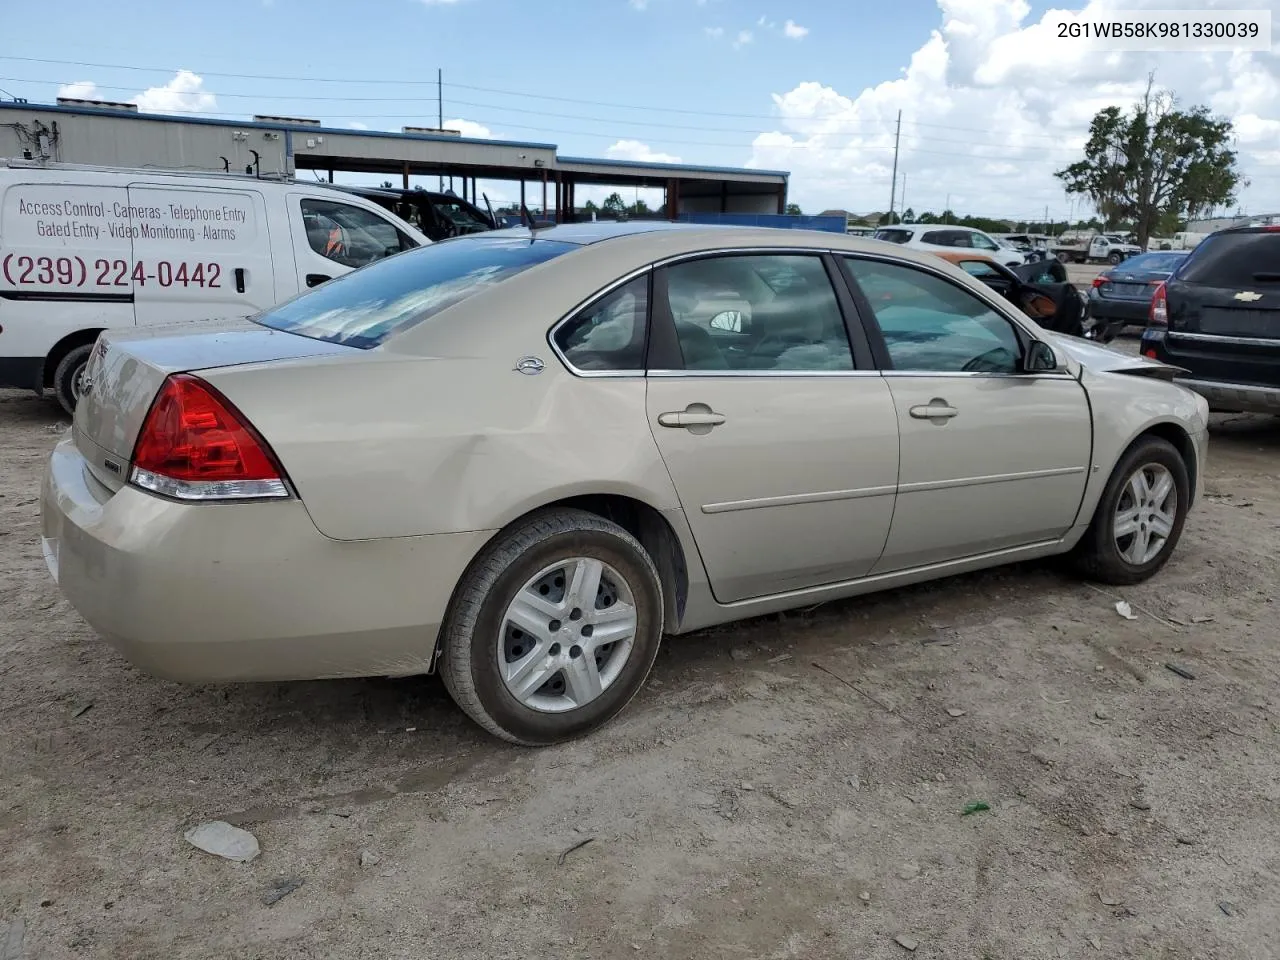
(652,240)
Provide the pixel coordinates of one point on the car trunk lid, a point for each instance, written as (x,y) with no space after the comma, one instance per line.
(128,367)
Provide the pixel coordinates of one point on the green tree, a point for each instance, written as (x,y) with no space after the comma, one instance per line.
(908,216)
(613,205)
(793,210)
(639,209)
(1155,162)
(387,184)
(590,207)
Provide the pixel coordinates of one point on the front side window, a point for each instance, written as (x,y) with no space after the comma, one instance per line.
(364,308)
(462,218)
(932,325)
(609,334)
(350,235)
(757,312)
(981,241)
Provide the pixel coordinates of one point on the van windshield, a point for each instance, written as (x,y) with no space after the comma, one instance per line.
(364,308)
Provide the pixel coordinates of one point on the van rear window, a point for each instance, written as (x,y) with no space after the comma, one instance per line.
(1233,260)
(366,307)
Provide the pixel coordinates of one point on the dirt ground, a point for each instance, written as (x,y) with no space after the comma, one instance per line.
(792,787)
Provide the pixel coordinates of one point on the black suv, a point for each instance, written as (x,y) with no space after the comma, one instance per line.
(1218,317)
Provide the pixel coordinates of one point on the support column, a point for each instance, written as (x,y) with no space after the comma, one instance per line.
(406,174)
(522,200)
(673,199)
(782,200)
(544,191)
(331,174)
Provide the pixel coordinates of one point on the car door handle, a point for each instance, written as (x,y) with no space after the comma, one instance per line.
(690,418)
(935,409)
(315,279)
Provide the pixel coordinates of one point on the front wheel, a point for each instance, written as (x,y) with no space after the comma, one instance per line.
(69,375)
(1114,258)
(553,628)
(1139,519)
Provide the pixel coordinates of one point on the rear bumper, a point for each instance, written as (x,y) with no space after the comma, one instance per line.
(22,373)
(242,591)
(1236,397)
(1125,312)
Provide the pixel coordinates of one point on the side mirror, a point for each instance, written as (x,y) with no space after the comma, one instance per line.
(728,320)
(1040,358)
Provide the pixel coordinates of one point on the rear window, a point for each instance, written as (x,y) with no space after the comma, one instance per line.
(364,308)
(1154,262)
(1233,260)
(893,236)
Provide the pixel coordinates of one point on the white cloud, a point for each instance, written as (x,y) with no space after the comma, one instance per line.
(469,128)
(639,4)
(744,37)
(794,31)
(185,93)
(357,125)
(641,152)
(80,90)
(715,33)
(984,121)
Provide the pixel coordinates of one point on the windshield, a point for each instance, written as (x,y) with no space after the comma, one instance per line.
(364,308)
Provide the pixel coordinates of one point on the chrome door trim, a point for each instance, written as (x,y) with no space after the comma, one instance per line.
(1216,338)
(926,485)
(790,374)
(826,496)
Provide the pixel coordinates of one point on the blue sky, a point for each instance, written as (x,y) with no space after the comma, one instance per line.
(811,86)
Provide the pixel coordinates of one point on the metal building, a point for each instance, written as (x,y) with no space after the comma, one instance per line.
(118,135)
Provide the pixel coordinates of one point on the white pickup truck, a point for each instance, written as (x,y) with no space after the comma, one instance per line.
(1094,248)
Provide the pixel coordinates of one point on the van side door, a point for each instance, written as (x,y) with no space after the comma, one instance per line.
(332,236)
(199,253)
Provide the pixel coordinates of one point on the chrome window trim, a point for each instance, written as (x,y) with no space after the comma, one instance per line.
(886,257)
(582,305)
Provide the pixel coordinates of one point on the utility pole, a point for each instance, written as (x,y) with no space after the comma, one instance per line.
(893,190)
(904,191)
(440,109)
(946,210)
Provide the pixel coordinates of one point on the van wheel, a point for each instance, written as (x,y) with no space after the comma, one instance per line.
(68,376)
(553,629)
(1139,519)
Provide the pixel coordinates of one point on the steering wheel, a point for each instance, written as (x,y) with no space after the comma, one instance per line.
(995,360)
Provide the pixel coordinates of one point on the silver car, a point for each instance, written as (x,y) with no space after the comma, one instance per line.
(521,460)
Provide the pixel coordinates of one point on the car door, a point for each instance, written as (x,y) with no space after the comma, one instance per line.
(331,238)
(199,253)
(1054,306)
(991,457)
(780,438)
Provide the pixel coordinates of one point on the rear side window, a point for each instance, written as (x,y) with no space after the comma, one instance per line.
(364,308)
(1233,260)
(609,334)
(893,236)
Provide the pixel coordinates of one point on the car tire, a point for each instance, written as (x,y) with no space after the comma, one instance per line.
(66,377)
(1114,258)
(536,559)
(1112,558)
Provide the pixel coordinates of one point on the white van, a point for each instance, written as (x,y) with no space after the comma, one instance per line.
(84,249)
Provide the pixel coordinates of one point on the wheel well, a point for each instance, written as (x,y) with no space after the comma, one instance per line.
(656,536)
(64,346)
(1181,441)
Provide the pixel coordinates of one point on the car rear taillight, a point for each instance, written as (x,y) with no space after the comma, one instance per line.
(1099,281)
(1158,315)
(194,445)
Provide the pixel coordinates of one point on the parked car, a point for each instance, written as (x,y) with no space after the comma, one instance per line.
(86,249)
(521,459)
(939,236)
(1093,248)
(1218,318)
(1054,304)
(438,215)
(1121,297)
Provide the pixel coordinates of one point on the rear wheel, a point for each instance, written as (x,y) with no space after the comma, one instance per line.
(553,629)
(1139,519)
(68,377)
(1114,257)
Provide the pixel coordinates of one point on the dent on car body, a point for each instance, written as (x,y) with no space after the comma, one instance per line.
(1102,359)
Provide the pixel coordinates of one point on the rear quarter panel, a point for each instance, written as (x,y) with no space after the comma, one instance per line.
(393,446)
